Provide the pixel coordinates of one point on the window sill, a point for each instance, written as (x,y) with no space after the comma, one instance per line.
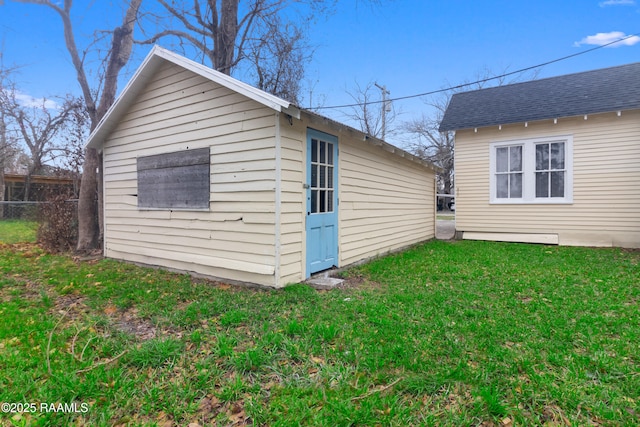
(531,202)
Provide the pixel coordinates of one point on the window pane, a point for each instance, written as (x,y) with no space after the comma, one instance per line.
(323,151)
(330,153)
(314,176)
(542,184)
(329,201)
(542,157)
(502,186)
(557,184)
(557,155)
(314,150)
(329,177)
(323,199)
(323,176)
(314,201)
(502,159)
(515,159)
(516,185)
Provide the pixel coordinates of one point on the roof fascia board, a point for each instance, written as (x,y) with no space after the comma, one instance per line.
(618,112)
(341,127)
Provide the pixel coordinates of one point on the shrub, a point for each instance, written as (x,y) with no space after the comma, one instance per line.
(58,227)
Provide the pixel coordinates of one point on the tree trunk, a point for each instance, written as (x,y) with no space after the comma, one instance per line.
(88,225)
(225,38)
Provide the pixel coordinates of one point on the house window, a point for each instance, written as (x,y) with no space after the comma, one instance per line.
(531,171)
(178,180)
(509,172)
(550,169)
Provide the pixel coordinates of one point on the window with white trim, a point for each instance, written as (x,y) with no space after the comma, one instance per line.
(532,171)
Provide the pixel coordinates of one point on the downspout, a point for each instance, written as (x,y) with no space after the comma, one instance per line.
(278,200)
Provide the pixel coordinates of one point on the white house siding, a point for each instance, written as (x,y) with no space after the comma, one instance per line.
(235,239)
(386,202)
(606,184)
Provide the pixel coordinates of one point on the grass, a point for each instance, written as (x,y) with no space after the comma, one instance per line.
(14,231)
(464,333)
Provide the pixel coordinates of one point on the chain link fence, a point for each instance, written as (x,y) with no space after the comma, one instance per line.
(27,211)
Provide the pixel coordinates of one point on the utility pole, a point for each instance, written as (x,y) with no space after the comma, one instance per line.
(386,107)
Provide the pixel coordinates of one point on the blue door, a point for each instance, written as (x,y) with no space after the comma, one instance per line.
(322,201)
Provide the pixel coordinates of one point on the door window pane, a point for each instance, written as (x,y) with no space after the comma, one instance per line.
(314,150)
(330,154)
(314,175)
(314,201)
(323,151)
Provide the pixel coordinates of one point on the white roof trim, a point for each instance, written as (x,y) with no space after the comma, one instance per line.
(146,70)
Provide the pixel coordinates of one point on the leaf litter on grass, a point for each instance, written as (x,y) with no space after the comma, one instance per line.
(479,345)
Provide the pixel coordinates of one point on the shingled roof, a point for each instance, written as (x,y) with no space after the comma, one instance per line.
(597,91)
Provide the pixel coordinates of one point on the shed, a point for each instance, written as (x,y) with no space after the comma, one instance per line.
(206,174)
(554,160)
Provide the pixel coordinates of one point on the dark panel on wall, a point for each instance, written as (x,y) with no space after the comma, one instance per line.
(178,180)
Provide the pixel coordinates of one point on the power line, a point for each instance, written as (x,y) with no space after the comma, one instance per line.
(460,86)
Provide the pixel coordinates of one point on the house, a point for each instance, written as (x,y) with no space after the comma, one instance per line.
(553,161)
(206,174)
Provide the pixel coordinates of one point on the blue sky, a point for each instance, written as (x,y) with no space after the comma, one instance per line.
(410,46)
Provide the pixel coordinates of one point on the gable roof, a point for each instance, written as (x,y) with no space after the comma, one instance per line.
(159,56)
(152,63)
(590,92)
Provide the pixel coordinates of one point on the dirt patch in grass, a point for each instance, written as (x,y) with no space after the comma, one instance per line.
(130,323)
(71,304)
(360,282)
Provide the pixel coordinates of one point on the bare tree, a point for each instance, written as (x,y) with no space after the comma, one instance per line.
(36,126)
(438,147)
(97,99)
(228,32)
(373,113)
(430,144)
(279,60)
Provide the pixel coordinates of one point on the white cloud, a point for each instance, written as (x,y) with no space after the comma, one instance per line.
(29,101)
(601,39)
(617,3)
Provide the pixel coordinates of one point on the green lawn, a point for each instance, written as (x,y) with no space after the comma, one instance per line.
(15,231)
(463,333)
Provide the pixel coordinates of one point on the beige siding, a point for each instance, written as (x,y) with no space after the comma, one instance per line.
(235,239)
(606,183)
(386,202)
(293,206)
